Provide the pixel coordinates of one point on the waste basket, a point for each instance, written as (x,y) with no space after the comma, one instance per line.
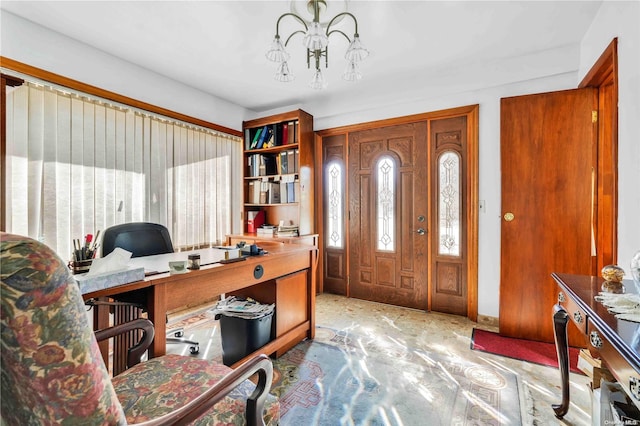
(243,331)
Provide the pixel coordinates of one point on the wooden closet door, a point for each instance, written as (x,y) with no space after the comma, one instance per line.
(547,146)
(387,196)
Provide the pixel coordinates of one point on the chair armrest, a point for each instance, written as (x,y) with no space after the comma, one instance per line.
(136,351)
(260,364)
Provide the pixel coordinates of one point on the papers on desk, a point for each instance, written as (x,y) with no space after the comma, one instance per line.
(242,308)
(623,306)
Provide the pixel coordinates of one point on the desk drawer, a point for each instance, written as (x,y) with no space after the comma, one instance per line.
(577,315)
(624,373)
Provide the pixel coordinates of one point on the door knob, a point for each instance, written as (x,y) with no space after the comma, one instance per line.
(509,216)
(420,231)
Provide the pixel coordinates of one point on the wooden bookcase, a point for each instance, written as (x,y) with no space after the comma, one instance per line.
(268,169)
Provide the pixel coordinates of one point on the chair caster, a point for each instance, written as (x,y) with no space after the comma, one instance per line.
(179,333)
(194,350)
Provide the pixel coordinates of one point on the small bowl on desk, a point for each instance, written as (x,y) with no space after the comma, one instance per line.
(178,267)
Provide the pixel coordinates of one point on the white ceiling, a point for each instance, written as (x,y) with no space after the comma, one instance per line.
(219,46)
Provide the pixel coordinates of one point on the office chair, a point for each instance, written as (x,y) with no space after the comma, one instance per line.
(145,239)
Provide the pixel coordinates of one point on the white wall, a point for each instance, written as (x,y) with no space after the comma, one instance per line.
(37,46)
(622,20)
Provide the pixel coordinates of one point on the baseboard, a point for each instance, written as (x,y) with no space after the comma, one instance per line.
(488,321)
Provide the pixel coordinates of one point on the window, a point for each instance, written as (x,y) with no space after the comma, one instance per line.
(77,164)
(385,208)
(335,219)
(449,203)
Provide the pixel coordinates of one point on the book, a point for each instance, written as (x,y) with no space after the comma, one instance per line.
(285,134)
(263,137)
(290,138)
(256,138)
(271,166)
(270,138)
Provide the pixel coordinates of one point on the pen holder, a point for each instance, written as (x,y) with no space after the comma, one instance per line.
(80,266)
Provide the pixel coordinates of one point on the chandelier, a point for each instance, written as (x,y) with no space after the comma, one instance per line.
(316,41)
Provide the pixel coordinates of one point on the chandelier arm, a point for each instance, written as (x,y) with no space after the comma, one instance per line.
(339,31)
(355,21)
(291,35)
(295,16)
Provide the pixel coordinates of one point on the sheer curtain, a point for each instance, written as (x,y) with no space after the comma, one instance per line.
(76,165)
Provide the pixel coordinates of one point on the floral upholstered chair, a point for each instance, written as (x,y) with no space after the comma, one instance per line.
(53,372)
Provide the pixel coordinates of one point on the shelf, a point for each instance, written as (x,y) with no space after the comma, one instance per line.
(274,165)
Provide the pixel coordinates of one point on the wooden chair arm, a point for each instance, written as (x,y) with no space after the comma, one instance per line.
(136,351)
(260,364)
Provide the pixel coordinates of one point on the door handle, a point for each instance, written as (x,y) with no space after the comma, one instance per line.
(420,231)
(509,216)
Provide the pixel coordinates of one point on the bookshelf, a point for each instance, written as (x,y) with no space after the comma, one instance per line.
(278,174)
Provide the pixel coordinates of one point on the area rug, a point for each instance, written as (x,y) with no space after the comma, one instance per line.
(525,350)
(356,380)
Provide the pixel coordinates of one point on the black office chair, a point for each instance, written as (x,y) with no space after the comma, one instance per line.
(144,239)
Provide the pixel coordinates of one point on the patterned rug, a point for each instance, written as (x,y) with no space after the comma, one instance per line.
(357,380)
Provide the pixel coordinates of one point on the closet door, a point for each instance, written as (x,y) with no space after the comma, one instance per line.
(547,163)
(387,199)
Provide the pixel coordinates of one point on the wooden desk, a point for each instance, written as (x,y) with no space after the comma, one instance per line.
(615,342)
(284,276)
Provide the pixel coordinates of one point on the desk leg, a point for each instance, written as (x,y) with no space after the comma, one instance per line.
(560,320)
(157,311)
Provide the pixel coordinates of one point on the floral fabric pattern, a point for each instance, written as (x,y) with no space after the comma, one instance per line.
(52,372)
(161,385)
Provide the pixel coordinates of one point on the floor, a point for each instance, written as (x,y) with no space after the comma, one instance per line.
(447,334)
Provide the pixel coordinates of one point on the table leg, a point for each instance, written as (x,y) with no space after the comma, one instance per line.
(560,320)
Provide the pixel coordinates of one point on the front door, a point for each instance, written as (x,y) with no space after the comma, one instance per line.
(387,208)
(547,158)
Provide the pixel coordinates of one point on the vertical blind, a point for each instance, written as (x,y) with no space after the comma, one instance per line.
(77,164)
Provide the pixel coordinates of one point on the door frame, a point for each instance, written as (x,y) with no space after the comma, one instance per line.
(605,207)
(471,177)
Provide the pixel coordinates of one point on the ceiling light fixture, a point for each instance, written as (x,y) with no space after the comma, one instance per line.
(316,41)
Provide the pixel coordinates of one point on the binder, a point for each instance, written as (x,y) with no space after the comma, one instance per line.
(255,219)
(284,192)
(273,196)
(284,168)
(291,192)
(291,161)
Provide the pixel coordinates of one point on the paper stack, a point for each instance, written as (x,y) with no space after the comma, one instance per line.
(242,308)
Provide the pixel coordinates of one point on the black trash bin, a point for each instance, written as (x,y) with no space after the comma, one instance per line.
(241,336)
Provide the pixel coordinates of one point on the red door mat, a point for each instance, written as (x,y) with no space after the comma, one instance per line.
(525,350)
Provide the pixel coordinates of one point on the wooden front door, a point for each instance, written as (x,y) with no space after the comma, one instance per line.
(547,146)
(387,197)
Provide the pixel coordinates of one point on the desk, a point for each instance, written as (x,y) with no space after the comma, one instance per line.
(284,276)
(615,342)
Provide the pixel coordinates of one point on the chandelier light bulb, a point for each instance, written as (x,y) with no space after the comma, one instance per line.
(356,52)
(315,38)
(283,74)
(352,72)
(317,82)
(277,52)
